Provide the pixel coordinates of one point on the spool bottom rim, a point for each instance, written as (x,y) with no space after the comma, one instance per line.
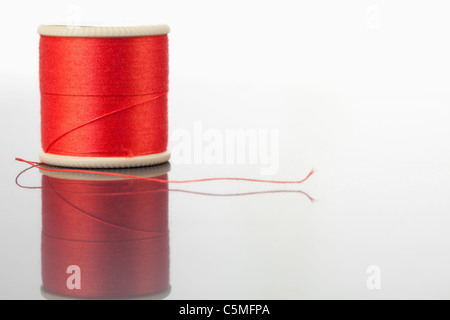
(103,162)
(160,295)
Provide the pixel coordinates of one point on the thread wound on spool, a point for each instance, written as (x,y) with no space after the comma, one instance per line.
(104,98)
(114,230)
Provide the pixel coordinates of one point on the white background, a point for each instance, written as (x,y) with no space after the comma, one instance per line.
(357,89)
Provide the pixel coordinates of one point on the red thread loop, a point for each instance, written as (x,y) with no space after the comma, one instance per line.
(39,166)
(104,97)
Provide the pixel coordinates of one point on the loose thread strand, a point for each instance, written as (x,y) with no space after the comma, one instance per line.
(39,166)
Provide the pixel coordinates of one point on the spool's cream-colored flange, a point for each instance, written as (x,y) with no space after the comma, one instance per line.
(103,162)
(155,296)
(144,172)
(102,32)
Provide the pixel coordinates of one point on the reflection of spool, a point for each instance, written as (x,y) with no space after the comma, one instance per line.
(105,237)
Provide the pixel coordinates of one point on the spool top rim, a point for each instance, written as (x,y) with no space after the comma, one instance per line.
(102,31)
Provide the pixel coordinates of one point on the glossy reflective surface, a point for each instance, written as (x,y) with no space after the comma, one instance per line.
(380,201)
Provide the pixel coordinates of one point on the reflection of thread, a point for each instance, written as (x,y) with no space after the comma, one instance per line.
(113,231)
(243,193)
(193,192)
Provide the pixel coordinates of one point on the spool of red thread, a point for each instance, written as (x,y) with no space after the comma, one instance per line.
(104,236)
(103,96)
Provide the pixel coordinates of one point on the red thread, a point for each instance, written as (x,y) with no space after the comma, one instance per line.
(38,165)
(104,97)
(116,232)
